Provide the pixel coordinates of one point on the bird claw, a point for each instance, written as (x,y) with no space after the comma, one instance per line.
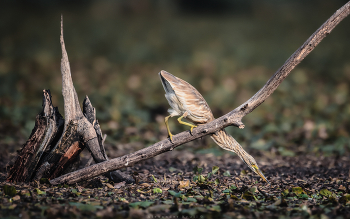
(192,129)
(171,138)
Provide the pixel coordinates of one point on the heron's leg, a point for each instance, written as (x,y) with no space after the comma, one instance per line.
(186,123)
(167,127)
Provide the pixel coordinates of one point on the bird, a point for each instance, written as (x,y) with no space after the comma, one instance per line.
(185,101)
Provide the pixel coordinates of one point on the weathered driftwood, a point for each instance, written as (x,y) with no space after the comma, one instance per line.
(48,125)
(233,118)
(80,130)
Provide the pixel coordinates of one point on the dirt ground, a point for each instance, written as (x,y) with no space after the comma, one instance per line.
(182,184)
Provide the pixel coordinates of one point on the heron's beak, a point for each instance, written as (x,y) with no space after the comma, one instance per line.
(257,170)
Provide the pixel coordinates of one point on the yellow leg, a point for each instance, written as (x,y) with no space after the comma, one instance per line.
(186,123)
(167,127)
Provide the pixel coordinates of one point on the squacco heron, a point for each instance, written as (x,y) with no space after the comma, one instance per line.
(187,102)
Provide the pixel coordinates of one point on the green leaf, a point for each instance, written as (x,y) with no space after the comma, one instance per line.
(168,202)
(198,170)
(234,197)
(215,208)
(175,194)
(227,191)
(157,190)
(154,179)
(191,199)
(253,189)
(215,169)
(172,169)
(39,192)
(247,195)
(192,213)
(201,179)
(303,196)
(146,204)
(209,175)
(9,190)
(344,199)
(217,181)
(227,173)
(74,191)
(233,187)
(122,199)
(195,178)
(143,204)
(325,192)
(285,192)
(85,207)
(297,190)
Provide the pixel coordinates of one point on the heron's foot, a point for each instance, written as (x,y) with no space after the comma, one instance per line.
(171,137)
(186,123)
(192,126)
(167,128)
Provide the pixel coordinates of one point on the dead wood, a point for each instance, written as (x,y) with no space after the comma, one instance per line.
(99,153)
(48,125)
(79,130)
(232,118)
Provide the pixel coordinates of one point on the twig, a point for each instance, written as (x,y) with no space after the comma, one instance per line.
(232,118)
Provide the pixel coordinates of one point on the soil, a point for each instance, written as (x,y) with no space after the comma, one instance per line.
(181,184)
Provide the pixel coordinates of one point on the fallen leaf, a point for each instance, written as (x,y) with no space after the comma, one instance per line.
(119,185)
(9,190)
(183,184)
(109,186)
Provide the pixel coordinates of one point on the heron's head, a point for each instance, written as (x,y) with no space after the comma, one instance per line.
(250,161)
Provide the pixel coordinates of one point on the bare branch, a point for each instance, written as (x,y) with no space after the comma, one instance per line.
(232,118)
(290,64)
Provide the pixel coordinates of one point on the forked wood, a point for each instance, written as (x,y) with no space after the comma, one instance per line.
(80,130)
(232,118)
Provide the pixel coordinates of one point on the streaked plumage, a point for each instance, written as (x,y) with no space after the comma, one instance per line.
(187,102)
(184,98)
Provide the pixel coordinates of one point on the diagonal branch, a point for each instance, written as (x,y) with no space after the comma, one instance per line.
(290,64)
(232,118)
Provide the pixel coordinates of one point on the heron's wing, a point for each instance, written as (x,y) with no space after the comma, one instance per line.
(191,99)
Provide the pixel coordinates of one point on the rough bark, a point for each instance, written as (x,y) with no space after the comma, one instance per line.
(78,128)
(48,153)
(48,124)
(232,118)
(99,153)
(72,152)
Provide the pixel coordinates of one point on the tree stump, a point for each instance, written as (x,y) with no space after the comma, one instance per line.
(55,143)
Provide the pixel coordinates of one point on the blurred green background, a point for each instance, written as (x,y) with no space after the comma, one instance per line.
(226,49)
